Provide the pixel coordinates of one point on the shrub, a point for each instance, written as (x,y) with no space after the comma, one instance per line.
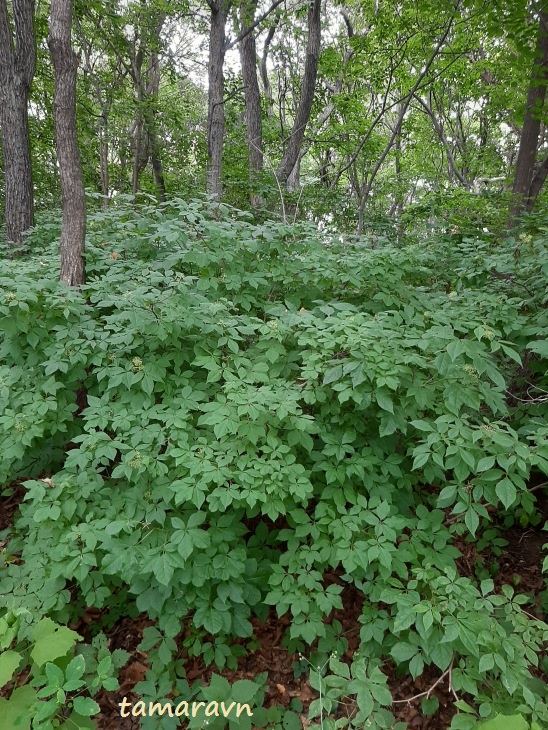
(228,412)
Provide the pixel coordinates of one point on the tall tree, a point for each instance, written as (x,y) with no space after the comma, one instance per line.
(17,66)
(218,46)
(291,156)
(65,65)
(215,102)
(147,85)
(522,192)
(252,95)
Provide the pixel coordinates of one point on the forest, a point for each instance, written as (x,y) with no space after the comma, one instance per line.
(273,364)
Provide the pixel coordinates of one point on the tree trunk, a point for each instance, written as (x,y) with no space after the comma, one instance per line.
(248,61)
(102,119)
(293,149)
(537,183)
(153,89)
(103,158)
(398,202)
(527,154)
(140,151)
(264,69)
(293,182)
(17,66)
(215,108)
(65,64)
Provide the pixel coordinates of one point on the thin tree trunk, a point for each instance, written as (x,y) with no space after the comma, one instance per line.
(438,128)
(398,208)
(293,149)
(140,153)
(215,110)
(293,182)
(527,154)
(17,66)
(403,105)
(103,158)
(248,61)
(65,65)
(153,89)
(102,120)
(264,70)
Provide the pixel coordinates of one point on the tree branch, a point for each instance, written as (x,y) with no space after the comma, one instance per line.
(418,86)
(251,28)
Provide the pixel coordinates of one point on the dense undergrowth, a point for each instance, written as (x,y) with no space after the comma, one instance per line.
(230,412)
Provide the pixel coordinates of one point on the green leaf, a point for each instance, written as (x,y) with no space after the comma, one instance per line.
(333,374)
(55,675)
(291,721)
(429,705)
(15,712)
(104,666)
(540,347)
(51,641)
(487,662)
(209,618)
(9,661)
(416,666)
(402,652)
(471,520)
(384,401)
(506,492)
(78,722)
(441,654)
(456,348)
(163,570)
(86,706)
(505,722)
(485,463)
(365,700)
(244,690)
(464,707)
(511,353)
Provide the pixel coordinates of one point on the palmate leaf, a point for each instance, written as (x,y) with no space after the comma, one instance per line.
(15,712)
(51,641)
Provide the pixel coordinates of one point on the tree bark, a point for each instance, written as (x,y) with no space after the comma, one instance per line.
(146,144)
(537,183)
(102,120)
(140,153)
(218,46)
(17,66)
(65,65)
(294,180)
(293,149)
(527,154)
(215,109)
(153,88)
(264,69)
(248,61)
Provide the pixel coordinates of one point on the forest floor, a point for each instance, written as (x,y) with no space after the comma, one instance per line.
(518,564)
